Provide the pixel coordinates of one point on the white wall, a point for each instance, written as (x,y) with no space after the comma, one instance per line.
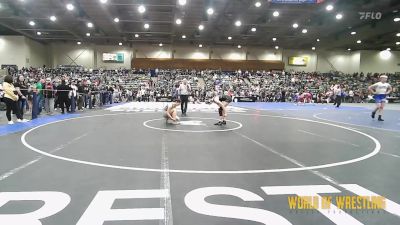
(72,54)
(38,53)
(344,61)
(25,52)
(191,53)
(13,51)
(372,62)
(152,51)
(264,54)
(229,53)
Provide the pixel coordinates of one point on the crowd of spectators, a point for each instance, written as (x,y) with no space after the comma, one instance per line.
(93,88)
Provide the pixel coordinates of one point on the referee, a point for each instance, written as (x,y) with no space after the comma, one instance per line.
(184,92)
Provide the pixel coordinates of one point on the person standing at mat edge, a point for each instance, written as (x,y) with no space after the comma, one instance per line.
(184,92)
(62,93)
(11,99)
(380,90)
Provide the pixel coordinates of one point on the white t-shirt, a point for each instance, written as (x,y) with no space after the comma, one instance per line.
(380,88)
(184,89)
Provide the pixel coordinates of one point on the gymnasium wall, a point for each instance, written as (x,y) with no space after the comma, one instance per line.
(13,50)
(344,61)
(372,62)
(37,53)
(23,51)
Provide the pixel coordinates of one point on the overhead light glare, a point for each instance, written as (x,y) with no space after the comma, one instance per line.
(141,9)
(70,7)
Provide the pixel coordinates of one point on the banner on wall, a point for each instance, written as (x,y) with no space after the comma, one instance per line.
(298,61)
(113,57)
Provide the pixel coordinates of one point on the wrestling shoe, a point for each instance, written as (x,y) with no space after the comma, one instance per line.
(219,123)
(373,115)
(380,118)
(223,122)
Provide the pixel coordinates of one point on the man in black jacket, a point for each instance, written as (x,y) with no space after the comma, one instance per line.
(62,93)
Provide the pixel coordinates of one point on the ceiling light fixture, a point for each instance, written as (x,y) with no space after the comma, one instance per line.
(339,16)
(146,26)
(200,45)
(276,14)
(178,21)
(103,1)
(136,35)
(53,18)
(273,39)
(304,31)
(398,34)
(32,23)
(70,7)
(79,42)
(183,36)
(277,47)
(116,19)
(160,44)
(239,46)
(397,19)
(359,42)
(120,44)
(349,49)
(87,34)
(329,8)
(253,29)
(141,9)
(201,27)
(257,4)
(39,33)
(182,2)
(397,43)
(90,25)
(229,38)
(295,25)
(318,40)
(353,33)
(238,23)
(210,11)
(313,48)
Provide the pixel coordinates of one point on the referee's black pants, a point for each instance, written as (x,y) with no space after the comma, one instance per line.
(184,103)
(338,100)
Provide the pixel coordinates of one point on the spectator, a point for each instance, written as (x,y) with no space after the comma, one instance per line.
(11,98)
(62,93)
(48,94)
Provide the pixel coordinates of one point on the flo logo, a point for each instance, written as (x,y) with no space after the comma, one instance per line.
(370,15)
